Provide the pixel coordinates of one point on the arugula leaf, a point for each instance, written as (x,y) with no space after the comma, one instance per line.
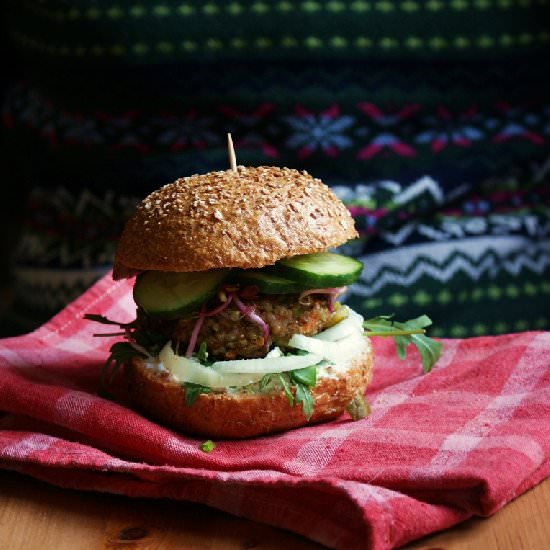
(419,322)
(120,353)
(265,381)
(151,340)
(286,387)
(409,332)
(306,376)
(192,391)
(430,350)
(303,396)
(283,381)
(207,446)
(300,379)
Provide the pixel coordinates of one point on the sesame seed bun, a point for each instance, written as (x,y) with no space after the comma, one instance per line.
(247,219)
(241,415)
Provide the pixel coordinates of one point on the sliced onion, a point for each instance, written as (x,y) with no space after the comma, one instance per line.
(268,364)
(353,323)
(339,351)
(189,370)
(255,318)
(359,319)
(305,343)
(342,330)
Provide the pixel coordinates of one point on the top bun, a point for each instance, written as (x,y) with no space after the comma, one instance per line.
(247,219)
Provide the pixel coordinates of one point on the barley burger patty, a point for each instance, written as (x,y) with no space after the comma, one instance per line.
(232,335)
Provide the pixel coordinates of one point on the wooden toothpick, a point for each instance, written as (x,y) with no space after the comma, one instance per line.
(231,154)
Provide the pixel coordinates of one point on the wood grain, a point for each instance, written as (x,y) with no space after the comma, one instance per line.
(524,524)
(37,516)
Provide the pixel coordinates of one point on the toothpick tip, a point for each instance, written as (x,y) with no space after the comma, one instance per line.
(231,153)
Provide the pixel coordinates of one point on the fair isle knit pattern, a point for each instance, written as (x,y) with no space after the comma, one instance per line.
(484,251)
(430,118)
(362,133)
(477,263)
(252,28)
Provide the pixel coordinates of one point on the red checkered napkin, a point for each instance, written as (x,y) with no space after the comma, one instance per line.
(438,448)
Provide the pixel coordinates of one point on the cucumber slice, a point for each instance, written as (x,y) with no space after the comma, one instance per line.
(267,282)
(321,269)
(170,295)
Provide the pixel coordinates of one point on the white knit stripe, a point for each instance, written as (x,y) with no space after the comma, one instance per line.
(401,259)
(525,376)
(395,266)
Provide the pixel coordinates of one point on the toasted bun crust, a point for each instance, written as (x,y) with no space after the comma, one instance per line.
(236,416)
(247,219)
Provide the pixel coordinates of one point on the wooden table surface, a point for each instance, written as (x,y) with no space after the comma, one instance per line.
(35,515)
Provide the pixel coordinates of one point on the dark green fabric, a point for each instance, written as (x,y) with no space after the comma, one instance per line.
(160,31)
(430,119)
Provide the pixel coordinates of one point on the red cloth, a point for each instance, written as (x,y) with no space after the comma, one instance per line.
(438,448)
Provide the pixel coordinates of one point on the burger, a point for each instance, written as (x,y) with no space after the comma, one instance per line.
(238,330)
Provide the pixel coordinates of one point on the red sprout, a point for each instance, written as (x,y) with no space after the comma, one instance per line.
(255,318)
(195,333)
(220,308)
(198,324)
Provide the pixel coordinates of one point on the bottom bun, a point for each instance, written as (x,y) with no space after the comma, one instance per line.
(239,414)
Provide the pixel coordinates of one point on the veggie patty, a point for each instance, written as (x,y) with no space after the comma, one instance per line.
(231,335)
